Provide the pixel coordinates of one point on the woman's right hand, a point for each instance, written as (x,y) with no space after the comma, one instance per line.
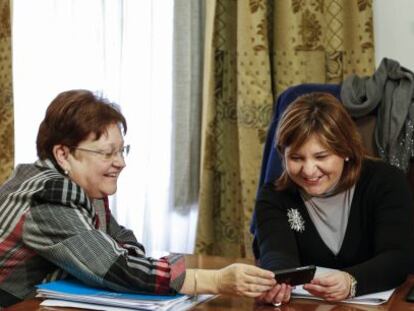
(279,294)
(244,280)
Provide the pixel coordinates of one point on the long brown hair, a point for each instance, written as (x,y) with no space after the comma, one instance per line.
(321,114)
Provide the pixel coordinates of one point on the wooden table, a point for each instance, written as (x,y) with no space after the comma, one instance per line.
(221,303)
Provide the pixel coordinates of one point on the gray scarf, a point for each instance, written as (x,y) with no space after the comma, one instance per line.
(391,89)
(330,216)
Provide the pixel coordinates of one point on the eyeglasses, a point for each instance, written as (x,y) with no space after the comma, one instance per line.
(107,156)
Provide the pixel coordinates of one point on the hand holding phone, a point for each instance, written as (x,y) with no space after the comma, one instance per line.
(295,276)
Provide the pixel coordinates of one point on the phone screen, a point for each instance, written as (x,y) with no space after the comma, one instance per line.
(295,276)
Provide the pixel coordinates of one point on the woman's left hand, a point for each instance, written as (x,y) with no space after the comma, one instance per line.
(332,286)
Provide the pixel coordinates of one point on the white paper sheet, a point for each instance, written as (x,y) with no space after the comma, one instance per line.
(370,299)
(182,306)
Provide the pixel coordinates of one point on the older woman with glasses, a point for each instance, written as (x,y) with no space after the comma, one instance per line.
(55,220)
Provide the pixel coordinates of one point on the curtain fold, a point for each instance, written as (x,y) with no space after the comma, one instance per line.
(187,91)
(6,94)
(254,50)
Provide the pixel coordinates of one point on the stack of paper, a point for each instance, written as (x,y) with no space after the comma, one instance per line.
(72,293)
(370,299)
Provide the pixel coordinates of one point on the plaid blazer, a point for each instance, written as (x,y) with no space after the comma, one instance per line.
(49,229)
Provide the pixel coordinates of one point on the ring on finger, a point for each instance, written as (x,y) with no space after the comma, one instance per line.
(277,304)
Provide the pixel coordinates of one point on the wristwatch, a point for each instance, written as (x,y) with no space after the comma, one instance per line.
(353,287)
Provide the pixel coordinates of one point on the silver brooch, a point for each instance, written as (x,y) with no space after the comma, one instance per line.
(295,219)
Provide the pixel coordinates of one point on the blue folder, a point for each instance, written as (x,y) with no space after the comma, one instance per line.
(75,287)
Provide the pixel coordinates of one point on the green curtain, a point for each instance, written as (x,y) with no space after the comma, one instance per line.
(6,94)
(254,50)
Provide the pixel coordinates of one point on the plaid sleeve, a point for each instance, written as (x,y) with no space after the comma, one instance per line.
(177,266)
(65,235)
(166,274)
(127,240)
(125,237)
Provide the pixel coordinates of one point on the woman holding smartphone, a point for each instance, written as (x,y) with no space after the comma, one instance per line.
(333,206)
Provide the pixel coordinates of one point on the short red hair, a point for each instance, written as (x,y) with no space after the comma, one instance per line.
(71,117)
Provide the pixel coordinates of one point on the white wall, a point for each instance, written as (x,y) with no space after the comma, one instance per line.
(394,31)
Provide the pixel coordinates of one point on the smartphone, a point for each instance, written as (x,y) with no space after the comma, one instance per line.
(295,276)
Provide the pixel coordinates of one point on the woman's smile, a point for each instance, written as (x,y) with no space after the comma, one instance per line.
(313,167)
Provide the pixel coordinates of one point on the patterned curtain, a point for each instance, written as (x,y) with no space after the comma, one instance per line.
(6,94)
(254,50)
